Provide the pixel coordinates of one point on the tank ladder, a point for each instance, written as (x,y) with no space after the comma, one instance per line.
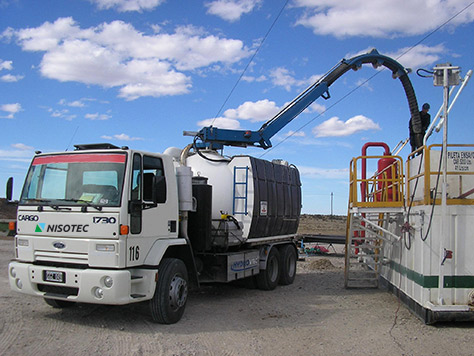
(240,190)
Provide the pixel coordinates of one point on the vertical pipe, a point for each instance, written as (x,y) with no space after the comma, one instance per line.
(364,163)
(444,241)
(332,194)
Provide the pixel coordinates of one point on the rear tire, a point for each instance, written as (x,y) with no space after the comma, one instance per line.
(171,293)
(268,278)
(288,258)
(59,304)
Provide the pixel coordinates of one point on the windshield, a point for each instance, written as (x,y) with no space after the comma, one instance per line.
(75,179)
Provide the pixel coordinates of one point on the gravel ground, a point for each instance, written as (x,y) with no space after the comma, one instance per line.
(313,316)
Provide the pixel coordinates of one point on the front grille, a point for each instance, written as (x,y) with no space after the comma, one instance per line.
(57,256)
(60,264)
(58,291)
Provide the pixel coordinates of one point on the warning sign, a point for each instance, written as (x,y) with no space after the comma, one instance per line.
(461,161)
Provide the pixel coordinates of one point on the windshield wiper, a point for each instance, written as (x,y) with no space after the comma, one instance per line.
(88,203)
(38,200)
(57,207)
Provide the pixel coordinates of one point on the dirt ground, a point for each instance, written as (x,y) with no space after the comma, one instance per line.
(313,316)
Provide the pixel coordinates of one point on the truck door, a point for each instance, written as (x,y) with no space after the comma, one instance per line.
(152,215)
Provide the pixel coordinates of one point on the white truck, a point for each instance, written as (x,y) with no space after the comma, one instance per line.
(111,225)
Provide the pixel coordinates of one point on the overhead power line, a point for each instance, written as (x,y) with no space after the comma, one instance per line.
(370,78)
(250,61)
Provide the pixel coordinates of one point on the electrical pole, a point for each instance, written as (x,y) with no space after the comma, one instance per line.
(332,194)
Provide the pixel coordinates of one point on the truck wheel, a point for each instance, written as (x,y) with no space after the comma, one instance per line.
(267,279)
(288,260)
(56,303)
(168,302)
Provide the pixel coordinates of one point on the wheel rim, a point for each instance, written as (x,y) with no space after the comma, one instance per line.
(178,292)
(273,269)
(291,265)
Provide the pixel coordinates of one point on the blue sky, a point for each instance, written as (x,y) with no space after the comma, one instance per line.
(140,72)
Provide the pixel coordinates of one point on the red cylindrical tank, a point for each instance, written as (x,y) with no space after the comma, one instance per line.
(386,179)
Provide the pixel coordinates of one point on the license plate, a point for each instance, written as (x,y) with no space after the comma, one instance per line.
(54,276)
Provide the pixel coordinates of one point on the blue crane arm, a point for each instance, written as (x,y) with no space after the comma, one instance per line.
(216,138)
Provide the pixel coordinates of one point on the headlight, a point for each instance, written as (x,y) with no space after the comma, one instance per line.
(23,242)
(105,247)
(108,281)
(13,272)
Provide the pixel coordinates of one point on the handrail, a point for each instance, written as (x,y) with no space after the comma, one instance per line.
(417,176)
(384,188)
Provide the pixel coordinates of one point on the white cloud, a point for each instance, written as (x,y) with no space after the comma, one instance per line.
(336,127)
(121,137)
(19,153)
(115,54)
(221,122)
(231,10)
(381,18)
(9,78)
(127,5)
(258,111)
(11,109)
(6,65)
(250,79)
(261,110)
(419,56)
(292,133)
(22,147)
(97,116)
(74,104)
(363,82)
(410,57)
(316,107)
(7,34)
(283,77)
(61,114)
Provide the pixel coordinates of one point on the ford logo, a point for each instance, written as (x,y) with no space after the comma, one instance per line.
(59,245)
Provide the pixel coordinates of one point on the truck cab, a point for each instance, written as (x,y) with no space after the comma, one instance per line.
(81,235)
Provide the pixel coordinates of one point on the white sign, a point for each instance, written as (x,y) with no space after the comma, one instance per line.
(461,161)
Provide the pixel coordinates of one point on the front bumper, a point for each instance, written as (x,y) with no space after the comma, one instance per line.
(84,285)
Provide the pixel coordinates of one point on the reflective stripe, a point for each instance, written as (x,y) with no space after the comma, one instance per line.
(77,158)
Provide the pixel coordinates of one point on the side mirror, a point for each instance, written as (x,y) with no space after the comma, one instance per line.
(9,189)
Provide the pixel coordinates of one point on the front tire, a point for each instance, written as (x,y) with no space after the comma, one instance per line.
(171,293)
(268,278)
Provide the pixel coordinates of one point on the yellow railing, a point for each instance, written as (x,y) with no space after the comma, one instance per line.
(426,172)
(385,188)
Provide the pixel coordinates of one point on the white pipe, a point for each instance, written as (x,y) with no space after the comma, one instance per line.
(445,238)
(402,144)
(429,131)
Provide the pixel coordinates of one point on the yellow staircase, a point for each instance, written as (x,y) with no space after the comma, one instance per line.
(373,203)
